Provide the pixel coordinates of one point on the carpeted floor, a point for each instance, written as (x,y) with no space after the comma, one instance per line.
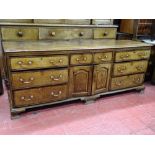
(127,113)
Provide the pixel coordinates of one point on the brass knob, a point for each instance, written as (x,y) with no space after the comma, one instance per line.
(30,62)
(20,33)
(81,34)
(105,33)
(85,58)
(60,60)
(52,34)
(20,62)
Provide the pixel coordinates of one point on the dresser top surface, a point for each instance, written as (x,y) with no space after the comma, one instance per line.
(19,46)
(56,25)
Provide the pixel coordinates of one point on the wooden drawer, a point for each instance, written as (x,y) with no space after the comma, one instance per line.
(39,62)
(132,55)
(130,67)
(63,21)
(127,81)
(30,79)
(100,33)
(102,57)
(16,20)
(39,95)
(79,59)
(19,33)
(102,21)
(65,33)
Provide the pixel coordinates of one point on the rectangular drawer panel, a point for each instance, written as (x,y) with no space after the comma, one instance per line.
(130,67)
(102,57)
(39,95)
(30,79)
(63,21)
(64,33)
(39,62)
(78,59)
(132,55)
(127,81)
(100,33)
(19,33)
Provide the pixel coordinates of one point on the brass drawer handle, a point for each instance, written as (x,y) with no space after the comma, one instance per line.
(56,95)
(124,56)
(59,61)
(103,58)
(23,98)
(81,59)
(136,80)
(142,54)
(140,68)
(22,63)
(52,34)
(26,82)
(118,83)
(81,34)
(121,69)
(105,33)
(20,34)
(56,78)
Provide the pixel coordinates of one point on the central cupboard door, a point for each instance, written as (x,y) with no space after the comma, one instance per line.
(101,76)
(80,80)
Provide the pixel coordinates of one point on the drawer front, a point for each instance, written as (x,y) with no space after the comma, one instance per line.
(102,57)
(132,55)
(64,33)
(78,59)
(100,33)
(39,62)
(130,67)
(39,95)
(102,21)
(63,21)
(19,33)
(127,81)
(16,20)
(30,79)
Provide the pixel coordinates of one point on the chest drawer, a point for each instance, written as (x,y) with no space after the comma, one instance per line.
(130,67)
(127,81)
(102,57)
(100,33)
(132,55)
(30,79)
(78,59)
(65,33)
(39,95)
(16,33)
(64,21)
(21,63)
